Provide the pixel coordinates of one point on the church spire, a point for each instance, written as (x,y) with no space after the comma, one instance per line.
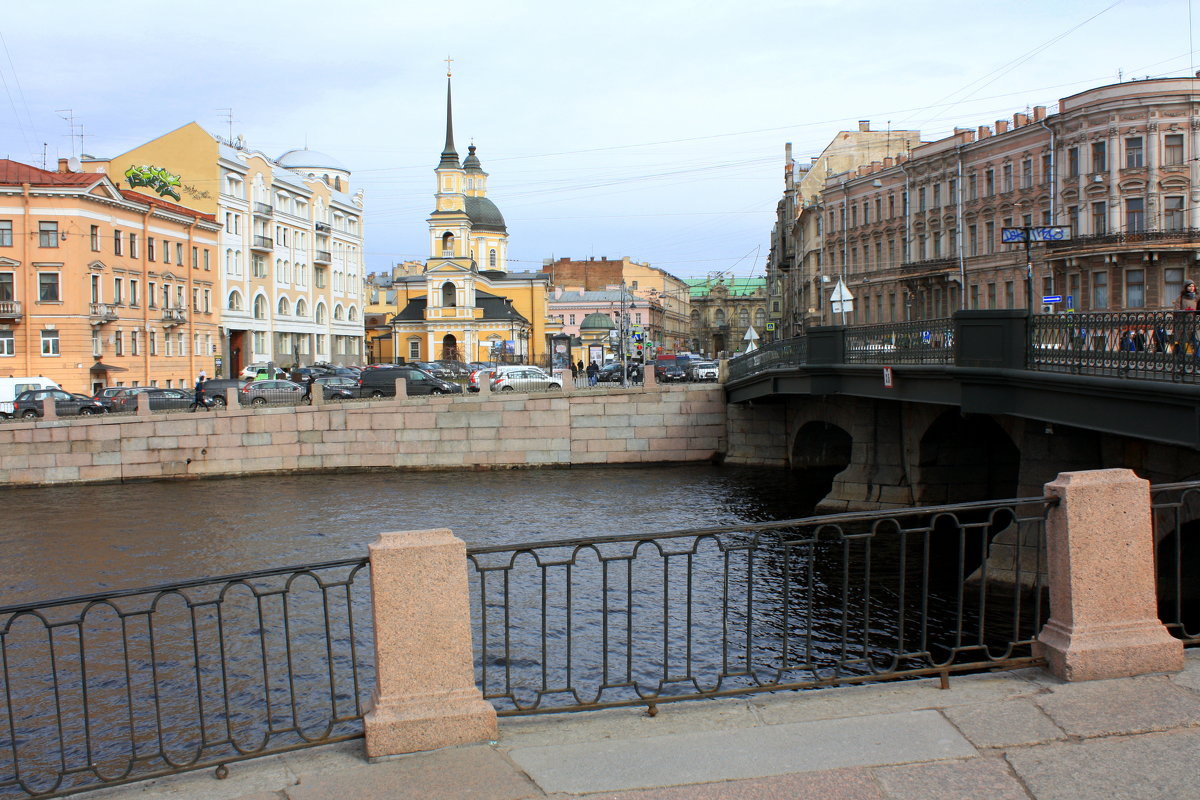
(449,155)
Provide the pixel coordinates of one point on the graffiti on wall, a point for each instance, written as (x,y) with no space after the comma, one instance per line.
(155,178)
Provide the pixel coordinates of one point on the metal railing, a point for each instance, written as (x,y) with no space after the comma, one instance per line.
(117,687)
(1148,345)
(927,341)
(1129,237)
(1176,512)
(788,353)
(263,243)
(642,619)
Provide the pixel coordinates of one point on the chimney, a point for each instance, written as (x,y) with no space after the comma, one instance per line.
(1001,126)
(864,126)
(1039,113)
(888,161)
(1020,120)
(984,131)
(62,165)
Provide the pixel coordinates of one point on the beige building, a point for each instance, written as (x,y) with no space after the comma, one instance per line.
(920,237)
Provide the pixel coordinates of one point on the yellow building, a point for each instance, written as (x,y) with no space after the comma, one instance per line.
(290,250)
(101,286)
(466,305)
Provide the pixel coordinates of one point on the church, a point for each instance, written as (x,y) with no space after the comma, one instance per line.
(465,304)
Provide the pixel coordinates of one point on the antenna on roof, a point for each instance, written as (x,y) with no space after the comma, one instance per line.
(69,116)
(228,115)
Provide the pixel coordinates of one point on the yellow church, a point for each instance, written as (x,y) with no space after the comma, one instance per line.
(465,304)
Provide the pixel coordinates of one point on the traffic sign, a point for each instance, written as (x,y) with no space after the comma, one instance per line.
(1052,298)
(840,292)
(770,326)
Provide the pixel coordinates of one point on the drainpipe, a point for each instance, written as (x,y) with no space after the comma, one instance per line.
(29,284)
(1053,188)
(907,237)
(958,220)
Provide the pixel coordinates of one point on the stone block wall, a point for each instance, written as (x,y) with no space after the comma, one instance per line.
(615,426)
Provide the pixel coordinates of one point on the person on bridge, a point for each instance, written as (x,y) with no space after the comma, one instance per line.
(1187,297)
(1185,328)
(592,371)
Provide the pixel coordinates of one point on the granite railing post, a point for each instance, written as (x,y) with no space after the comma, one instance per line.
(49,408)
(649,381)
(231,398)
(425,695)
(401,389)
(1103,606)
(143,404)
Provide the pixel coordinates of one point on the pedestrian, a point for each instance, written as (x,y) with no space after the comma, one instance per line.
(1185,325)
(199,400)
(579,366)
(308,387)
(592,371)
(574,372)
(1187,297)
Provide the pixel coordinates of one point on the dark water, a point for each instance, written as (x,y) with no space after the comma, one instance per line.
(67,541)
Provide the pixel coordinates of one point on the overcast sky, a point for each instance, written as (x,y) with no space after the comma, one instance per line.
(653,129)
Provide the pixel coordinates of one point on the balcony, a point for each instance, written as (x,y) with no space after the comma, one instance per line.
(1182,236)
(173,316)
(323,257)
(263,243)
(930,266)
(100,313)
(323,227)
(264,209)
(10,310)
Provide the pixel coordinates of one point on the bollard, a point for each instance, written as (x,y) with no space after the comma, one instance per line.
(425,695)
(567,381)
(401,389)
(1103,607)
(231,397)
(143,404)
(649,381)
(49,408)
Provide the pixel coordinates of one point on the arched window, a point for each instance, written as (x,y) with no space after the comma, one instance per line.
(492,258)
(760,319)
(447,244)
(352,314)
(744,318)
(695,317)
(235,301)
(260,307)
(339,313)
(320,314)
(301,308)
(719,316)
(448,294)
(284,307)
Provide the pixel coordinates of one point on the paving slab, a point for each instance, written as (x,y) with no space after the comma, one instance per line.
(1006,723)
(1158,766)
(615,765)
(893,697)
(841,784)
(1190,677)
(971,779)
(1121,706)
(476,771)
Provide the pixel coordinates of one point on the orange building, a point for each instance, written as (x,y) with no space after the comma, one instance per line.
(101,286)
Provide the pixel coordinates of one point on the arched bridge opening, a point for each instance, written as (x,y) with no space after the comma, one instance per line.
(819,452)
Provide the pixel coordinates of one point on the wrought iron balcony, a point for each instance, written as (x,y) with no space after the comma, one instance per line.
(323,257)
(323,227)
(10,310)
(100,313)
(929,265)
(173,316)
(1175,236)
(263,243)
(264,209)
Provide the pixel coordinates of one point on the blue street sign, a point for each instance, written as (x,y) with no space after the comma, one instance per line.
(1052,298)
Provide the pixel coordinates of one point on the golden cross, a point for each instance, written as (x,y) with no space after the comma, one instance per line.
(448,60)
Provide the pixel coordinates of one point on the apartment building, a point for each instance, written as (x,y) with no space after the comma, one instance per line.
(103,286)
(290,250)
(919,236)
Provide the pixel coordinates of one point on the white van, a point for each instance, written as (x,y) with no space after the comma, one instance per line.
(11,387)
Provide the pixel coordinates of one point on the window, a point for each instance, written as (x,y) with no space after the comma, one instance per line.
(8,344)
(1099,218)
(1010,295)
(1073,218)
(117,284)
(492,258)
(48,234)
(260,307)
(1008,183)
(937,195)
(94,238)
(208,301)
(119,343)
(134,346)
(1027,174)
(48,288)
(989,182)
(921,199)
(207,265)
(258,266)
(1172,149)
(989,238)
(1099,157)
(166,252)
(1073,162)
(1135,288)
(195,257)
(5,233)
(8,288)
(414,349)
(1099,291)
(50,343)
(991,295)
(1172,283)
(1047,168)
(149,247)
(179,254)
(195,299)
(1135,214)
(133,293)
(152,340)
(572,322)
(1133,152)
(133,245)
(973,240)
(1173,213)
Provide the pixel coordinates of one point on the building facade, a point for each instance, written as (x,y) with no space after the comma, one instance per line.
(101,286)
(919,237)
(723,310)
(290,249)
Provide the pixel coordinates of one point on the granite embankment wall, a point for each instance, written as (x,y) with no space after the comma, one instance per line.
(613,426)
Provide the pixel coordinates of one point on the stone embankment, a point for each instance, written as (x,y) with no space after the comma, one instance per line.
(616,426)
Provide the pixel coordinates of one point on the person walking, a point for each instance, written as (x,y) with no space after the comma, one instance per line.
(198,399)
(1186,338)
(592,371)
(308,387)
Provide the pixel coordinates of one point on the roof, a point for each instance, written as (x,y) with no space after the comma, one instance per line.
(597,321)
(700,287)
(596,296)
(14,172)
(309,159)
(138,197)
(494,308)
(484,215)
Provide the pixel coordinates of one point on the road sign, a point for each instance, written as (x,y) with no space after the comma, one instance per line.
(841,293)
(1042,233)
(1052,298)
(770,326)
(887,378)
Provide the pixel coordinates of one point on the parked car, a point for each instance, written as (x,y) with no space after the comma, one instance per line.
(673,373)
(487,374)
(214,389)
(104,396)
(11,387)
(337,387)
(457,369)
(28,403)
(259,393)
(161,399)
(525,379)
(611,372)
(703,371)
(382,382)
(433,368)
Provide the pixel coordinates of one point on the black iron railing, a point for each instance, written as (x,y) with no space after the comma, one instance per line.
(1176,509)
(929,341)
(1180,235)
(122,686)
(640,619)
(1148,345)
(789,353)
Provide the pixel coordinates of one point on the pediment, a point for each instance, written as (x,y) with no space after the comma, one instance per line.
(96,266)
(445,267)
(8,262)
(105,188)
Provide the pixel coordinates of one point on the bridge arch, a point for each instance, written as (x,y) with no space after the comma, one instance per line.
(820,450)
(964,458)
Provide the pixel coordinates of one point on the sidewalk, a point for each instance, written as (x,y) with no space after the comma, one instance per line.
(1002,736)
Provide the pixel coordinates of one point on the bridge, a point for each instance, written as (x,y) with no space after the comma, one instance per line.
(1131,374)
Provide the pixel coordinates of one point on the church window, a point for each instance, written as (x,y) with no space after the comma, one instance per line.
(447,244)
(491,258)
(448,294)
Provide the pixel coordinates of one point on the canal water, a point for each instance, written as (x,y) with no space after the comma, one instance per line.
(66,541)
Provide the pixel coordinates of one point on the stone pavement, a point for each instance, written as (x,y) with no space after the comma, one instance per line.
(1001,736)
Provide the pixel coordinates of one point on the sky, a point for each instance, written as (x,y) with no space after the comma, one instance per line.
(652,129)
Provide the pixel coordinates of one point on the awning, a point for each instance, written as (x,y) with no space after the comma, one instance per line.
(102,367)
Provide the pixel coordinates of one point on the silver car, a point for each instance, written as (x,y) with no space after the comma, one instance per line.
(704,371)
(525,379)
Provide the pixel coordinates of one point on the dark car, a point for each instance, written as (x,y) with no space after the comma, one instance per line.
(214,389)
(277,392)
(382,382)
(104,396)
(337,387)
(673,373)
(126,400)
(611,372)
(433,368)
(28,404)
(457,369)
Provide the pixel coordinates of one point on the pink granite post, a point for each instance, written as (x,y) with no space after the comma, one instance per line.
(425,695)
(401,389)
(143,404)
(231,398)
(649,379)
(49,408)
(1103,608)
(564,377)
